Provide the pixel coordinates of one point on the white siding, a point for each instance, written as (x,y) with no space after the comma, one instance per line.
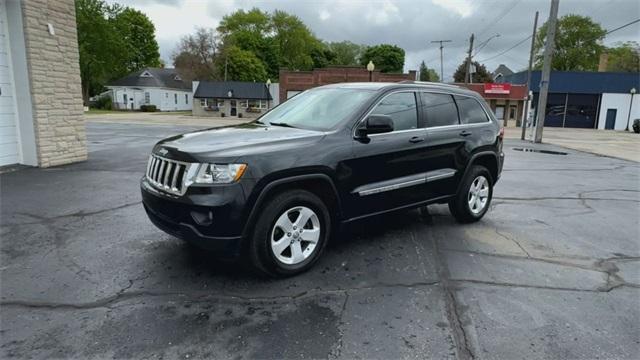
(9,136)
(163,99)
(621,103)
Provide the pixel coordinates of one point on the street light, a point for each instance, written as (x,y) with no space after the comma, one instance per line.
(633,92)
(268,92)
(370,68)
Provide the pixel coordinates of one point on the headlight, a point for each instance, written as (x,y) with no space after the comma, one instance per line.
(219,173)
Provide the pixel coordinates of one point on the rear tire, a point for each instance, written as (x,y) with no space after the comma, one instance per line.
(290,234)
(474,195)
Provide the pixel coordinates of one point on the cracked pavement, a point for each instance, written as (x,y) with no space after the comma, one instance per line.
(552,271)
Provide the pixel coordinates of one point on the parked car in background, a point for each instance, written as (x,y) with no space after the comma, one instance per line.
(276,189)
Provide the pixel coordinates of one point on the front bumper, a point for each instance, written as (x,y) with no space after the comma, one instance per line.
(208,217)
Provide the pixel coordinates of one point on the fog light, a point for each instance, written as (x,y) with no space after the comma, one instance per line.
(202,219)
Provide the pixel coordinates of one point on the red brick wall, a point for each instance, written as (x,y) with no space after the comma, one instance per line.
(303,80)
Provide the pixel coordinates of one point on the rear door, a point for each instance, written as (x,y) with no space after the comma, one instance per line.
(445,143)
(388,171)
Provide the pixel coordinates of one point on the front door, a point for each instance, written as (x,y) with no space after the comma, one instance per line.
(388,171)
(234,108)
(611,119)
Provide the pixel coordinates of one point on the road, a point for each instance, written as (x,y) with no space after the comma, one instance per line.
(552,271)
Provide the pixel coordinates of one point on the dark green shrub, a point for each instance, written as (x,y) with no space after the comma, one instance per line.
(148,108)
(104,103)
(636,126)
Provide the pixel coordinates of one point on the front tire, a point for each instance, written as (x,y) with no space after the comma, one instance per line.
(474,196)
(290,234)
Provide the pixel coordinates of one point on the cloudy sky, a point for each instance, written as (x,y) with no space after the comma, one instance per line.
(410,24)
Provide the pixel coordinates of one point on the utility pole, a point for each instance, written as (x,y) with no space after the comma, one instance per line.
(467,72)
(441,57)
(225,68)
(546,69)
(526,108)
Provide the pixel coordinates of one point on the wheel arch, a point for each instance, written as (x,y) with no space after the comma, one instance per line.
(319,184)
(488,159)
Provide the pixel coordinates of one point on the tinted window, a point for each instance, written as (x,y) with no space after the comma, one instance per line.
(401,107)
(470,110)
(439,109)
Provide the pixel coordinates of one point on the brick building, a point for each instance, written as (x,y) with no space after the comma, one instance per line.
(293,82)
(41,111)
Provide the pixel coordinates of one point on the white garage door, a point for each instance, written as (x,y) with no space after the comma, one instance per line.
(8,128)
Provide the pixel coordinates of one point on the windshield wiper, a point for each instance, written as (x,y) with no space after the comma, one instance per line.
(281,124)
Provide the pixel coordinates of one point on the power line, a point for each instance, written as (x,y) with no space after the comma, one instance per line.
(509,49)
(499,17)
(622,27)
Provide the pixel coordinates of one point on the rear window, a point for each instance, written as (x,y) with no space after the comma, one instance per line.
(470,110)
(439,109)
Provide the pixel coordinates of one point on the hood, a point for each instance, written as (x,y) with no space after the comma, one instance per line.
(235,141)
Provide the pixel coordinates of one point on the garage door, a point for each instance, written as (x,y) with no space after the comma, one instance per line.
(8,128)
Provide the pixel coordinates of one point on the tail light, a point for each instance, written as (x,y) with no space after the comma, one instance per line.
(501,134)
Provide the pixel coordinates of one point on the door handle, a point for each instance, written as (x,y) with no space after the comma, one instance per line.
(465,133)
(416,139)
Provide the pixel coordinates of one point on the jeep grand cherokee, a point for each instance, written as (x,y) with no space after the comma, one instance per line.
(275,189)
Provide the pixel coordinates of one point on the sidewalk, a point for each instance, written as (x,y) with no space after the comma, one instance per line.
(618,144)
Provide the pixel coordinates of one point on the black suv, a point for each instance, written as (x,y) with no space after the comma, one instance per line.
(275,189)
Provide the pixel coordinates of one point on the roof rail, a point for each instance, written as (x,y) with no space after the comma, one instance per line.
(431,84)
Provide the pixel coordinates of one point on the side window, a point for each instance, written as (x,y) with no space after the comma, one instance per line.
(471,112)
(439,109)
(401,107)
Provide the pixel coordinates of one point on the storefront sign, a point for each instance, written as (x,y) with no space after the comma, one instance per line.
(493,88)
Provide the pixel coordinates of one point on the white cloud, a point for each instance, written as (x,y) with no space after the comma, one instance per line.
(324,15)
(460,7)
(383,15)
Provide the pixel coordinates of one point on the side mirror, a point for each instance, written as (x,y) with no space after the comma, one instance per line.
(375,124)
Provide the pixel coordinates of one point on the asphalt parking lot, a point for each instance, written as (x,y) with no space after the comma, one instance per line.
(552,271)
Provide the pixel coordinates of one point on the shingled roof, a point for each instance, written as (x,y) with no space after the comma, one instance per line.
(153,77)
(239,90)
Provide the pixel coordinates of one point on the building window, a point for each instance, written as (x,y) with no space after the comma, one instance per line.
(203,102)
(244,104)
(166,95)
(175,99)
(124,99)
(186,99)
(512,112)
(256,104)
(147,98)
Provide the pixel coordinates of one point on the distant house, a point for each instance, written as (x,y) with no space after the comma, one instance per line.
(151,86)
(501,70)
(231,98)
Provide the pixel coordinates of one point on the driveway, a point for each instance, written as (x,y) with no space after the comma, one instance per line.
(552,271)
(178,118)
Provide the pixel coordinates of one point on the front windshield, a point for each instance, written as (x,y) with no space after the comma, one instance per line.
(318,109)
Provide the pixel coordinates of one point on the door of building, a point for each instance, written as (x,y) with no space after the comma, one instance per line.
(611,119)
(234,109)
(500,112)
(9,153)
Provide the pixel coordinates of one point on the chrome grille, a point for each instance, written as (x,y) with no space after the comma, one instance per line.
(167,175)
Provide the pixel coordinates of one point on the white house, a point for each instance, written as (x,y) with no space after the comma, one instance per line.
(163,88)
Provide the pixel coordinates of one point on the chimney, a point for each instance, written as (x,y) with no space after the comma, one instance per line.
(602,65)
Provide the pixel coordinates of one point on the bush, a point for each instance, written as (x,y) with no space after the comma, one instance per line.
(239,115)
(148,108)
(636,126)
(222,114)
(104,103)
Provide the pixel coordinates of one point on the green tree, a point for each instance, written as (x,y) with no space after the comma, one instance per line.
(243,65)
(196,55)
(346,53)
(98,45)
(386,58)
(294,40)
(577,45)
(624,58)
(322,56)
(427,74)
(481,75)
(137,33)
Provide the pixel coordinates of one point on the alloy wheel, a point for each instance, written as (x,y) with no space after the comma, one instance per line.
(478,194)
(295,235)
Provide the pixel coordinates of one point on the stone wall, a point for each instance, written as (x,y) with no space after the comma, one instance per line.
(54,76)
(304,80)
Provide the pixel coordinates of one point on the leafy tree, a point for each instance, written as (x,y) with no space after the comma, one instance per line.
(386,58)
(346,53)
(427,74)
(196,55)
(624,58)
(294,40)
(98,45)
(481,75)
(322,56)
(140,47)
(577,45)
(243,65)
